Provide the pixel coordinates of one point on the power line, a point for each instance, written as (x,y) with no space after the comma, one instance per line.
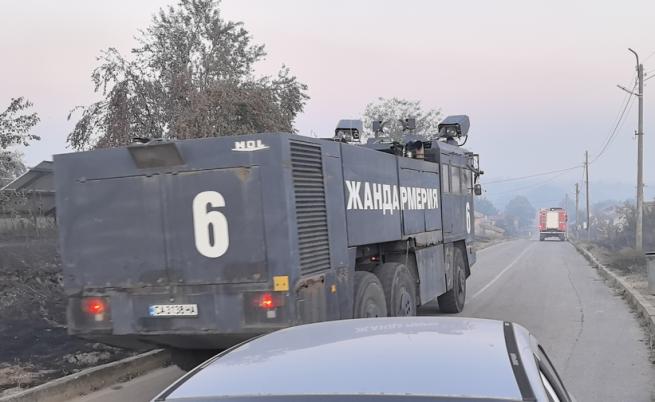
(539,184)
(619,124)
(532,175)
(615,131)
(649,56)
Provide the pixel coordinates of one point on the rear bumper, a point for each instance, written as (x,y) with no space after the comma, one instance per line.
(553,233)
(226,316)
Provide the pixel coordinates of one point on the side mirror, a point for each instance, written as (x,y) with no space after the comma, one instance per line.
(477,189)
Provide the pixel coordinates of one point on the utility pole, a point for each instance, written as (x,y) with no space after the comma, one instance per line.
(639,236)
(577,201)
(586,170)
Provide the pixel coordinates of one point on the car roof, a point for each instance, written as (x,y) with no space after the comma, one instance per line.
(425,356)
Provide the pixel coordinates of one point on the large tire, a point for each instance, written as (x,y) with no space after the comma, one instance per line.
(188,359)
(369,296)
(452,302)
(399,289)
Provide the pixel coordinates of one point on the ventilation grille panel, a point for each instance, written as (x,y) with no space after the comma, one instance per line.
(311,212)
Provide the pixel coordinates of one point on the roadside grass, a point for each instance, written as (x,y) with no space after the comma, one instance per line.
(626,261)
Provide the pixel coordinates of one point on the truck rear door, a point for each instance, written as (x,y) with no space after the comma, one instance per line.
(214,226)
(552,220)
(187,227)
(111,232)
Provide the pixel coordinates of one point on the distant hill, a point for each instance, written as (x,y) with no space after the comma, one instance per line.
(551,194)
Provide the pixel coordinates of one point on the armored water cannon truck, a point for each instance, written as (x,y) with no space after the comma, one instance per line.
(203,243)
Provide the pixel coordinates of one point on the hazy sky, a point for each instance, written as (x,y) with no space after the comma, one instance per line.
(537,78)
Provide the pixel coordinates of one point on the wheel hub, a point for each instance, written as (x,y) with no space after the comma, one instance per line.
(405,307)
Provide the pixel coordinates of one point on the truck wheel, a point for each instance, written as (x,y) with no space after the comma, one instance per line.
(541,238)
(399,289)
(452,302)
(188,359)
(369,296)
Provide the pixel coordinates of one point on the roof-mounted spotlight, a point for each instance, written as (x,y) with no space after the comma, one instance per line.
(408,124)
(454,127)
(348,130)
(378,127)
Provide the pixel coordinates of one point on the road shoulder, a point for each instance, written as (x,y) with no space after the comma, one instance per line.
(643,303)
(92,379)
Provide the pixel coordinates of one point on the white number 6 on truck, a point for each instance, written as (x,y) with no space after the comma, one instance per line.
(209,225)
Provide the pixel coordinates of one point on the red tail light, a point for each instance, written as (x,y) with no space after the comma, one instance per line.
(269,301)
(94,305)
(266,301)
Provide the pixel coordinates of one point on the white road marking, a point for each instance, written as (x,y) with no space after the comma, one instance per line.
(507,268)
(490,247)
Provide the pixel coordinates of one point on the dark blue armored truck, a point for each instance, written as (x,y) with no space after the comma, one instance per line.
(200,244)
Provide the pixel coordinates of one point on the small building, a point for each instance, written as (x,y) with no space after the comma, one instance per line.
(485,227)
(27,204)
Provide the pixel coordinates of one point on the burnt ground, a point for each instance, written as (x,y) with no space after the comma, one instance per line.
(34,344)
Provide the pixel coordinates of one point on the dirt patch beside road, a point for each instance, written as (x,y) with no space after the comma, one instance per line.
(35,345)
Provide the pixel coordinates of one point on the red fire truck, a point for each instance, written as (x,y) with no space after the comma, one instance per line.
(552,223)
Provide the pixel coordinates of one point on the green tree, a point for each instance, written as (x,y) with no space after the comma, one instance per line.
(191,76)
(520,208)
(392,110)
(16,123)
(485,206)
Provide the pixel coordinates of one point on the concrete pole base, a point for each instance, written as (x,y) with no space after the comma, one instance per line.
(650,268)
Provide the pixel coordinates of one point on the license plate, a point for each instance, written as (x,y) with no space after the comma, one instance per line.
(173,310)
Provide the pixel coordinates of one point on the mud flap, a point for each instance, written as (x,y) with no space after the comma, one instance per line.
(448,263)
(311,299)
(431,272)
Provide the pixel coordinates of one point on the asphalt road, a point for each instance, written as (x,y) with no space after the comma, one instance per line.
(589,332)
